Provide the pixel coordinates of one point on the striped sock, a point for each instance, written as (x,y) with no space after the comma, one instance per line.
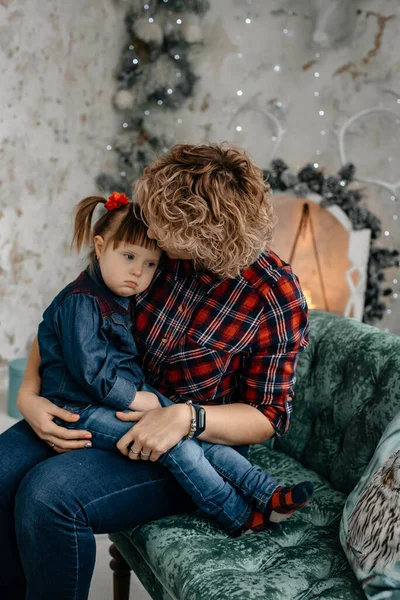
(287,499)
(283,503)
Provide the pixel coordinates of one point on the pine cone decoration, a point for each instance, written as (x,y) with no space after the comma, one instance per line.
(347,172)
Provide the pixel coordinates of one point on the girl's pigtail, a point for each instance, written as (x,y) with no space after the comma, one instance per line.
(83,221)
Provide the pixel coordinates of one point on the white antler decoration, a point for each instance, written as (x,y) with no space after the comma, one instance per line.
(251,105)
(391,187)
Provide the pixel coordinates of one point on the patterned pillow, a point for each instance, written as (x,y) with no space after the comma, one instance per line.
(370,525)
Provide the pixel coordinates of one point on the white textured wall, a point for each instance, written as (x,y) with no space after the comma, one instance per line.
(57,60)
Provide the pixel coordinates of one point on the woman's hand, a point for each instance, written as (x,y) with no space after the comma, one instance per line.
(155,432)
(39,413)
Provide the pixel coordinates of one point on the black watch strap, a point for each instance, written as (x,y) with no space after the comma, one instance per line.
(200,419)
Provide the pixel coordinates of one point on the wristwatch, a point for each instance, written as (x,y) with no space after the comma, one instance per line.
(198,421)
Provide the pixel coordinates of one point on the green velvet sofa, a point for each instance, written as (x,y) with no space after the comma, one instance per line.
(347,391)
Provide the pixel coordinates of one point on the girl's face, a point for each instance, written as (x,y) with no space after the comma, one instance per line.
(128,269)
(169,251)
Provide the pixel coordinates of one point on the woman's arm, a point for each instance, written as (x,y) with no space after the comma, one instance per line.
(39,412)
(159,430)
(31,380)
(236,424)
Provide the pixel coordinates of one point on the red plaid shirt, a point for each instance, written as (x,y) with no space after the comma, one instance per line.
(221,341)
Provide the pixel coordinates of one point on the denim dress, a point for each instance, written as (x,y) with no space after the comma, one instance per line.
(88,352)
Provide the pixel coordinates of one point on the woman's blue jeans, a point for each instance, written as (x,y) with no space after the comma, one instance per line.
(51,505)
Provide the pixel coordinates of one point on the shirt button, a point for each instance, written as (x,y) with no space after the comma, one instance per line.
(180,308)
(164,340)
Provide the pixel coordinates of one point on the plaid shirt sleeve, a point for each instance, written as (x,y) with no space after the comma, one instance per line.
(268,373)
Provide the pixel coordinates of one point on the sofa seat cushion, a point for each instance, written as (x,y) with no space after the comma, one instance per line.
(188,557)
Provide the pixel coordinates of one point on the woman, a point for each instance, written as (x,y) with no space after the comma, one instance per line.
(222,324)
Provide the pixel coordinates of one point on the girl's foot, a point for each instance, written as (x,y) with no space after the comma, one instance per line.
(284,501)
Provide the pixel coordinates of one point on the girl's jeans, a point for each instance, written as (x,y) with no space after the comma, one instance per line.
(220,480)
(51,505)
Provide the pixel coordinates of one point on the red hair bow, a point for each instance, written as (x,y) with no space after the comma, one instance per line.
(116,200)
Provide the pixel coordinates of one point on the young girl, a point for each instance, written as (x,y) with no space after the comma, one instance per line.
(89,366)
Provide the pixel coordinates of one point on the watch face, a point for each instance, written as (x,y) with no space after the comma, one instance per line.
(201,422)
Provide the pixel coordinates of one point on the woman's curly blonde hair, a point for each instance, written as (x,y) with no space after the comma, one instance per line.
(211,202)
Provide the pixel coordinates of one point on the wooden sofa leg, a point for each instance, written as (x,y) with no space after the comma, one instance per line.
(121,575)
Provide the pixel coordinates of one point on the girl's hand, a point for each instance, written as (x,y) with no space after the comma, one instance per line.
(39,413)
(155,432)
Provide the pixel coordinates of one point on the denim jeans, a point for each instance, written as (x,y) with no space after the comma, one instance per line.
(219,479)
(51,505)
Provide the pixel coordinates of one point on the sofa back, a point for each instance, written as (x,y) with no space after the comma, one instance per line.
(347,390)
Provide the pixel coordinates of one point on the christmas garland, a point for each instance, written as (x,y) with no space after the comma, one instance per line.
(155,74)
(342,191)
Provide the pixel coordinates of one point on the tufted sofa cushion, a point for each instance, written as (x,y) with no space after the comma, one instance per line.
(187,557)
(347,391)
